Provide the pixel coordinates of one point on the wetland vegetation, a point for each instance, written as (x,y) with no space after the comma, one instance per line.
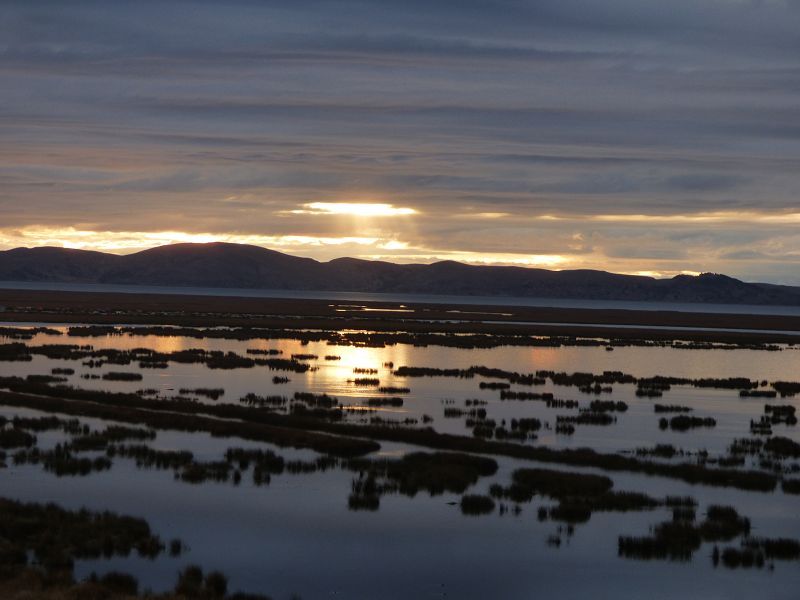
(352,401)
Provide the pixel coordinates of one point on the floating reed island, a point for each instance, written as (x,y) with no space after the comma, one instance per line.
(461,468)
(305,429)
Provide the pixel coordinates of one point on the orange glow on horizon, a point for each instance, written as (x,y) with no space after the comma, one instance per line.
(709,217)
(375,246)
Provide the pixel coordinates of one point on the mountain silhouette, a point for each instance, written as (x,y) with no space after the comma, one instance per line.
(223,265)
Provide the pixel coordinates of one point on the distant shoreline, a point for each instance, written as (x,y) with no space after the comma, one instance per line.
(377,297)
(69,307)
(254,271)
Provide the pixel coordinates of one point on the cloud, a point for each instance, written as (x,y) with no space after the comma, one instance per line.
(355,209)
(664,135)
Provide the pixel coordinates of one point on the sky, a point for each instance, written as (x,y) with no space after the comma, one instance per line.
(633,136)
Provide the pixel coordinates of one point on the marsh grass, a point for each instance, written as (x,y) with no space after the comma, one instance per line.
(304,431)
(679,539)
(55,537)
(476,504)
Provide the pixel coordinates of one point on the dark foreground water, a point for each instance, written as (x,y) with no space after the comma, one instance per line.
(297,535)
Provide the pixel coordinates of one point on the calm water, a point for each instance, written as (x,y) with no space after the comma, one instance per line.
(431,395)
(752,309)
(298,536)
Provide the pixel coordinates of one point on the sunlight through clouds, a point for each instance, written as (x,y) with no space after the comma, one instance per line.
(788,218)
(476,133)
(123,242)
(550,261)
(356,209)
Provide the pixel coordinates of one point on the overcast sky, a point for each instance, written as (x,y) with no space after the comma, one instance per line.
(625,135)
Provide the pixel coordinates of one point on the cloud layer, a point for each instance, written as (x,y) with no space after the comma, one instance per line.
(626,135)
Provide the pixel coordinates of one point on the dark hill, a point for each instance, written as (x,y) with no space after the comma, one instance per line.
(241,266)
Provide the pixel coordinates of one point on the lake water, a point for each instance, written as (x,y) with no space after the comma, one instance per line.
(297,535)
(752,309)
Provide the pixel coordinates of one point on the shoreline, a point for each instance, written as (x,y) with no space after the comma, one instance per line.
(46,306)
(466,301)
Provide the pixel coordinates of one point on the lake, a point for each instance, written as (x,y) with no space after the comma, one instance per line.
(298,536)
(751,309)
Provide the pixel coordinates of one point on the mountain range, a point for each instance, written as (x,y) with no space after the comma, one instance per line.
(222,265)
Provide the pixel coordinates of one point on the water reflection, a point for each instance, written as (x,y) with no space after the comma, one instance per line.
(297,521)
(638,427)
(266,538)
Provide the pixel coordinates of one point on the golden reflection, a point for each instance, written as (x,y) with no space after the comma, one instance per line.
(333,375)
(173,344)
(545,359)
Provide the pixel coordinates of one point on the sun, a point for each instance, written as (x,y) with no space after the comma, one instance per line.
(355,209)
